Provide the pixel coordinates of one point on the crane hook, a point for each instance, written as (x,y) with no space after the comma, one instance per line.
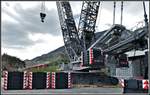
(42,13)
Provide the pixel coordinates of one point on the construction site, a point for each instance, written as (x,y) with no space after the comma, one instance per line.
(116,59)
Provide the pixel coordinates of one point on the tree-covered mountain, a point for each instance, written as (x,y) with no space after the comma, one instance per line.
(55,57)
(11,63)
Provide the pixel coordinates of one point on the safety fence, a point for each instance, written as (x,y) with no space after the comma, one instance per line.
(134,85)
(36,80)
(64,80)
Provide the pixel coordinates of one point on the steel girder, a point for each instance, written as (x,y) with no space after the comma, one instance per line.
(107,36)
(132,42)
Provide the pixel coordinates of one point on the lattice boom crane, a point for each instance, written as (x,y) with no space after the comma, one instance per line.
(69,31)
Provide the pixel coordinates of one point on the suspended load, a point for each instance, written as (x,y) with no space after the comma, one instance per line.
(42,13)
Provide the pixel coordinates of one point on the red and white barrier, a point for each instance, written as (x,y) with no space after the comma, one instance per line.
(48,80)
(121,81)
(53,80)
(5,80)
(91,56)
(25,80)
(82,55)
(69,80)
(145,84)
(30,80)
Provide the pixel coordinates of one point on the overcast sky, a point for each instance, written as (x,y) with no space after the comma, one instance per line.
(24,36)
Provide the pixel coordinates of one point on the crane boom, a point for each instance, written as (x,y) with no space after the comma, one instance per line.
(87,21)
(86,27)
(69,31)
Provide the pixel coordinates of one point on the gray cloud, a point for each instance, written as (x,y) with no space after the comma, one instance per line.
(15,35)
(135,7)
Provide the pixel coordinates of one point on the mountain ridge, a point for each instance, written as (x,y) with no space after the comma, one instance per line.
(12,63)
(48,57)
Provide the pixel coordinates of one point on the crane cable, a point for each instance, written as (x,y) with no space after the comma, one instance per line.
(99,15)
(114,12)
(121,12)
(143,21)
(43,7)
(145,15)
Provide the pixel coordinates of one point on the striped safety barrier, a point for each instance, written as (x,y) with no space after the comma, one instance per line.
(69,80)
(145,84)
(30,80)
(48,80)
(91,56)
(25,80)
(53,80)
(121,81)
(5,80)
(36,80)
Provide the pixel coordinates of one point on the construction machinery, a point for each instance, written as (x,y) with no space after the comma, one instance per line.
(88,53)
(77,41)
(80,44)
(69,31)
(91,54)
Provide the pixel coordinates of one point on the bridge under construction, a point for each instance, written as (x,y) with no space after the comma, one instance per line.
(95,60)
